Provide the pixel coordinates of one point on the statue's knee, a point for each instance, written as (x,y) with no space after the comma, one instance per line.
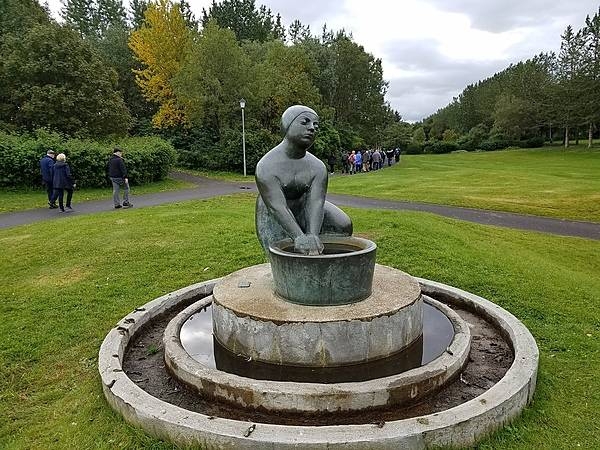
(345,224)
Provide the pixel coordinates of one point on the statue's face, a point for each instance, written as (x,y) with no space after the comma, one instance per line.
(303,128)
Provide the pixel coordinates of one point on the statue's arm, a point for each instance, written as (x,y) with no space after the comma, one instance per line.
(316,200)
(272,195)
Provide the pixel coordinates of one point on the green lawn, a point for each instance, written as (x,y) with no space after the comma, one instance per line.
(219,175)
(21,199)
(548,182)
(62,292)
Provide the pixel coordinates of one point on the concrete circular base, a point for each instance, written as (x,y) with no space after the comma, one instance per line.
(292,397)
(462,425)
(251,320)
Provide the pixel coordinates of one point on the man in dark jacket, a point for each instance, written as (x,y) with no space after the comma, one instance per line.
(47,170)
(117,172)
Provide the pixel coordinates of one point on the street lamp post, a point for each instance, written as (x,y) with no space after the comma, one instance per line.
(243,105)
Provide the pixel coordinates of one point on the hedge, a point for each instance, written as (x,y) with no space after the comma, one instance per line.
(147,158)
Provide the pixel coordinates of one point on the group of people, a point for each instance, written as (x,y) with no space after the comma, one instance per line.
(58,179)
(367,160)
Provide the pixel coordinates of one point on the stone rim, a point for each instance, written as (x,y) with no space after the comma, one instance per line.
(365,244)
(462,425)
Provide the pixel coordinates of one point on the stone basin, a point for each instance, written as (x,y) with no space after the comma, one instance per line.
(343,274)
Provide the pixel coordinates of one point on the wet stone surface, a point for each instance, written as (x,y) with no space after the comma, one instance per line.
(490,358)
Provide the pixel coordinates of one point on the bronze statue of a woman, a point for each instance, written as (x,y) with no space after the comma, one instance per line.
(292,184)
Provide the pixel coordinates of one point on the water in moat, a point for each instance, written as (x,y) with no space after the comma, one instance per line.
(197,339)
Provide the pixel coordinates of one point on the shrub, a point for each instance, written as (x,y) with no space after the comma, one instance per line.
(438,147)
(414,149)
(494,144)
(533,142)
(147,158)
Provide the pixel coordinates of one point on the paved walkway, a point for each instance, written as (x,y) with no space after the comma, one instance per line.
(206,188)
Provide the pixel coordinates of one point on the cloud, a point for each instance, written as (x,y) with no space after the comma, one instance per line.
(495,16)
(311,13)
(426,79)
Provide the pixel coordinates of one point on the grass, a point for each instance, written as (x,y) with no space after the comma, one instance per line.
(547,182)
(62,293)
(218,175)
(22,199)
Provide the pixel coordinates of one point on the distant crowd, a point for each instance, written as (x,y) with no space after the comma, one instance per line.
(58,180)
(365,161)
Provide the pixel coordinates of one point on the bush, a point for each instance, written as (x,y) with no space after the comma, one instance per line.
(534,142)
(438,147)
(414,149)
(494,144)
(147,158)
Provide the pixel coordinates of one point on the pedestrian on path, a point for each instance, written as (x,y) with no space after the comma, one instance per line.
(46,169)
(117,172)
(63,181)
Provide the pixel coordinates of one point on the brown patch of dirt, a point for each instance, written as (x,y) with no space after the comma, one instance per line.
(489,359)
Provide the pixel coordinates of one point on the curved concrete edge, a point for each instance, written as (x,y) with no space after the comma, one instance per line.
(318,344)
(316,397)
(113,347)
(523,344)
(463,425)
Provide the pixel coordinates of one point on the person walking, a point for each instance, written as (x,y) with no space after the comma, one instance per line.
(46,169)
(63,181)
(375,160)
(351,160)
(117,172)
(358,161)
(331,162)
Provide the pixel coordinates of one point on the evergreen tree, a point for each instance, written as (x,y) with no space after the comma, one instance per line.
(244,19)
(137,9)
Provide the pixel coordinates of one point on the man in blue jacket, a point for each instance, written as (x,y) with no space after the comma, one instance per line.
(47,171)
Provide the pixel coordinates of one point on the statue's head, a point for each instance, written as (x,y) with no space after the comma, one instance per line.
(299,125)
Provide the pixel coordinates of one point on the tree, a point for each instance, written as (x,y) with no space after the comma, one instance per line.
(161,45)
(359,88)
(569,68)
(298,32)
(418,136)
(114,48)
(212,80)
(397,134)
(450,135)
(19,15)
(591,73)
(93,18)
(282,78)
(137,9)
(244,19)
(52,78)
(512,116)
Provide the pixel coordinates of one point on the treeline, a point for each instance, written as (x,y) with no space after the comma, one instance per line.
(157,69)
(549,97)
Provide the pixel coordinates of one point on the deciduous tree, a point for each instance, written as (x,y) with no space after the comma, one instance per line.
(161,45)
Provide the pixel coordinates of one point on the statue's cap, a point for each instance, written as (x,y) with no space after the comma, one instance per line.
(290,114)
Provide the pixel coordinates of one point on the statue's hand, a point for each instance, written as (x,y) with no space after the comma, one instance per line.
(308,244)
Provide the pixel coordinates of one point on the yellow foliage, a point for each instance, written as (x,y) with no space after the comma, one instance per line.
(161,45)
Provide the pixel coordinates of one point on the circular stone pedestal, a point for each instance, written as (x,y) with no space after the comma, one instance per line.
(251,320)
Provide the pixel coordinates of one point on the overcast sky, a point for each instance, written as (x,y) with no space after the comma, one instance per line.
(432,49)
